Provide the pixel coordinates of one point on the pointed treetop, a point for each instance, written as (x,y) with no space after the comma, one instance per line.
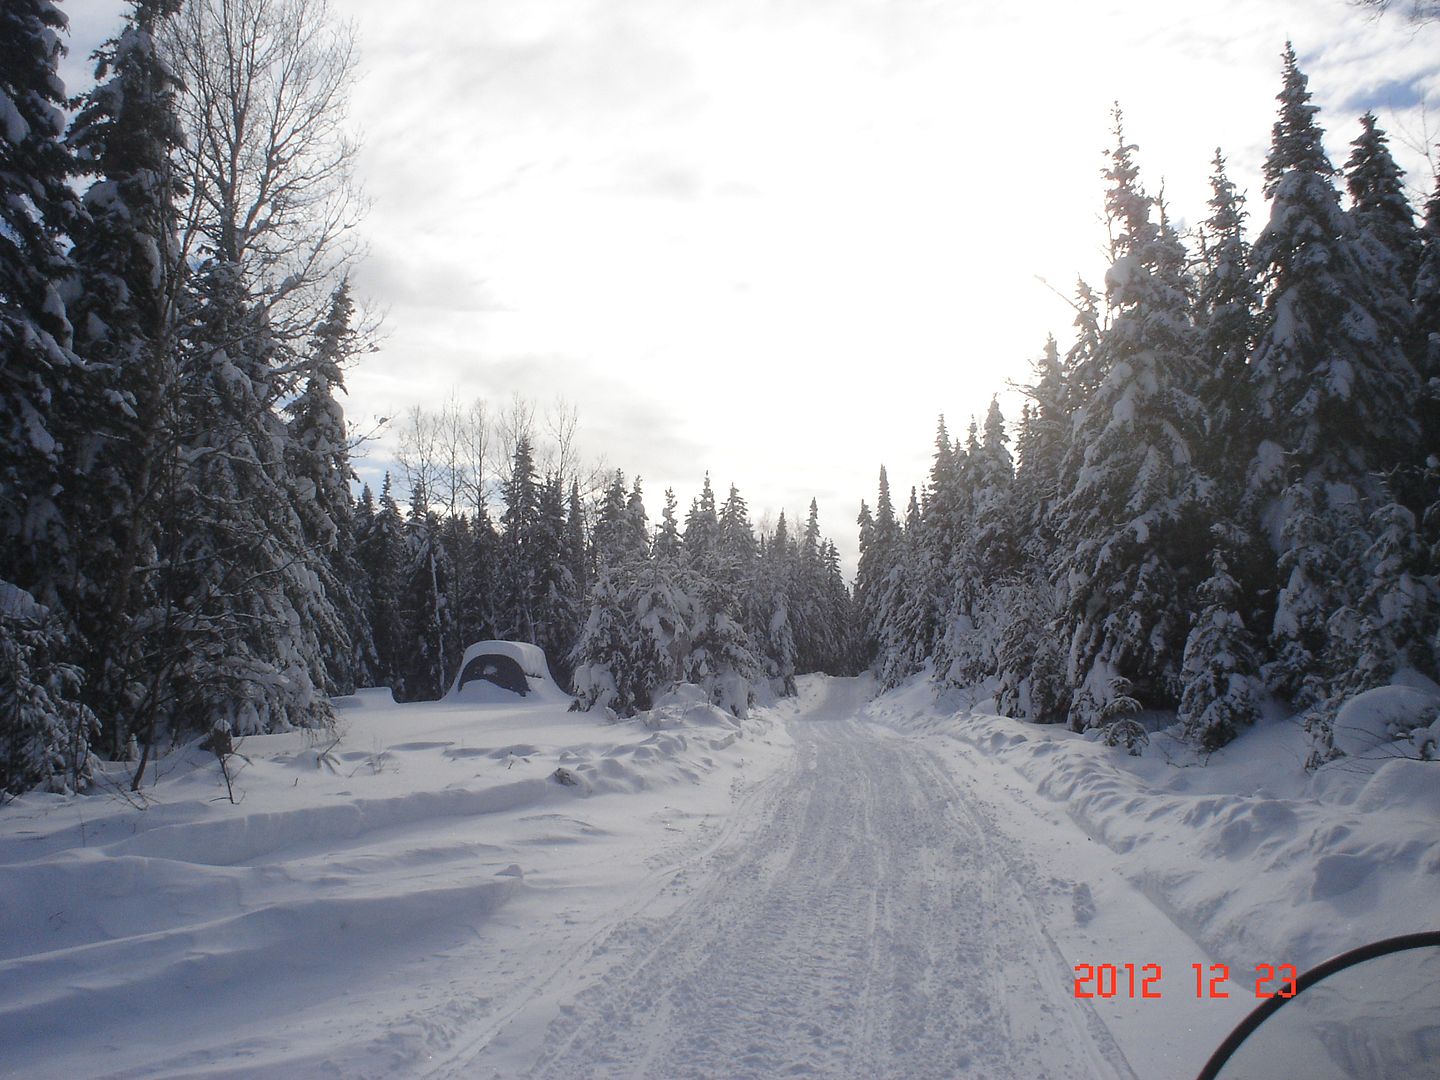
(1126,204)
(1379,206)
(1296,143)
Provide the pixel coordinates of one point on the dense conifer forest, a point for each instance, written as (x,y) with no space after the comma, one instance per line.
(1225,492)
(1222,493)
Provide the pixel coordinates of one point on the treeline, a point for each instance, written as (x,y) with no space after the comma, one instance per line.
(1227,488)
(622,609)
(174,320)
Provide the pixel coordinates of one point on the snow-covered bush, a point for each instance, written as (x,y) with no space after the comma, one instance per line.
(45,732)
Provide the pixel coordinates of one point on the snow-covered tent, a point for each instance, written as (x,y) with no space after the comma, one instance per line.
(516,666)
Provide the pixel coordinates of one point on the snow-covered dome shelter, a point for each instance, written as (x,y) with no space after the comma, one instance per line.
(516,666)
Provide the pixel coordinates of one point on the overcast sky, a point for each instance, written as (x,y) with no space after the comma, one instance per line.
(775,239)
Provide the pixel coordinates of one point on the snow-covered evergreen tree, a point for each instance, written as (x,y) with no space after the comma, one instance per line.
(519,587)
(878,554)
(1384,220)
(1315,583)
(318,456)
(1227,306)
(1132,516)
(720,658)
(607,672)
(560,608)
(40,373)
(1426,292)
(702,530)
(1041,447)
(987,554)
(735,547)
(576,550)
(1336,390)
(838,604)
(769,608)
(123,304)
(1220,671)
(907,611)
(240,615)
(45,731)
(806,614)
(1030,657)
(428,637)
(382,553)
(637,633)
(1426,487)
(667,543)
(612,537)
(1400,606)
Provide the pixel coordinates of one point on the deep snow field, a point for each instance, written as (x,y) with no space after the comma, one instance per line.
(835,887)
(327,924)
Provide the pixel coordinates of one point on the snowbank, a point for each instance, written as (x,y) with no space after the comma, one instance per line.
(1247,852)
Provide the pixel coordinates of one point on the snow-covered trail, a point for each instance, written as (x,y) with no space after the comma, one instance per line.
(862,920)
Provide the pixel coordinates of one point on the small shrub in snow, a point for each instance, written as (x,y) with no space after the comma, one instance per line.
(1219,672)
(45,732)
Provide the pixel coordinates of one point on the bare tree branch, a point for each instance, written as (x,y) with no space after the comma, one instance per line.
(271,161)
(1415,10)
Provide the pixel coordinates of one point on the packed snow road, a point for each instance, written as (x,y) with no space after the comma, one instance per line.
(861,918)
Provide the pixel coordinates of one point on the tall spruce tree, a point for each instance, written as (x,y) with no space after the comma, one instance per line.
(319,464)
(1336,390)
(1384,220)
(38,371)
(1029,660)
(1227,306)
(125,303)
(382,554)
(44,728)
(612,534)
(558,605)
(1133,512)
(906,613)
(239,616)
(702,530)
(878,556)
(427,642)
(1426,499)
(520,586)
(769,607)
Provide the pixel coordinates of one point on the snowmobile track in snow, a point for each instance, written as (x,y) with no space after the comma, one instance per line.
(862,922)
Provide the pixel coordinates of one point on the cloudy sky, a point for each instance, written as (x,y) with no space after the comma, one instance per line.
(775,239)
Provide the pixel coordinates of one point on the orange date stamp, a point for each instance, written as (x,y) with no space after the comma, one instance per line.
(1143,982)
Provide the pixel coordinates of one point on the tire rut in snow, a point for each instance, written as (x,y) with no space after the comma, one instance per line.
(865,928)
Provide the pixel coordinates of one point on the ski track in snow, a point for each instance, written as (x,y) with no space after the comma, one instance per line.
(864,923)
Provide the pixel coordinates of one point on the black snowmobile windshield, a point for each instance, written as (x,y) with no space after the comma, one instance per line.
(1372,1013)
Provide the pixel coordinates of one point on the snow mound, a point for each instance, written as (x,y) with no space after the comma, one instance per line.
(1389,721)
(687,706)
